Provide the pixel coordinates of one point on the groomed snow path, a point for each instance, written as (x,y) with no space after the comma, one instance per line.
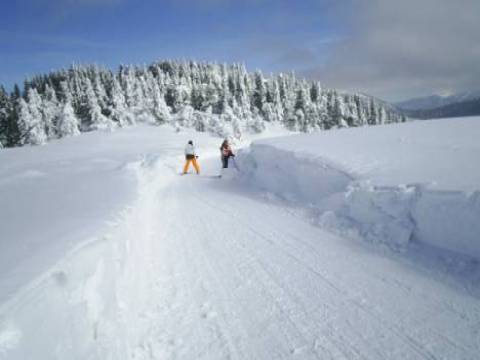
(242,278)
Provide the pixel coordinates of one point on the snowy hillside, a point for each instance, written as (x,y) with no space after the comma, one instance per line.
(220,99)
(107,253)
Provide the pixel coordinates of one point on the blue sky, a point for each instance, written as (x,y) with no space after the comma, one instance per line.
(37,36)
(388,48)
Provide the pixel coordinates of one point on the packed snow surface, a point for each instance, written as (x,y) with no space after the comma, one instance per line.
(108,253)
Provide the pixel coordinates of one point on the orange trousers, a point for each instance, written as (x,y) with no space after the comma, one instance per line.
(194,163)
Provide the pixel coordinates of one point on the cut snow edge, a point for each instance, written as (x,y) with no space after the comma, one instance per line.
(392,215)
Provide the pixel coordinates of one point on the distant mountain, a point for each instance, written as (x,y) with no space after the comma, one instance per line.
(436,101)
(436,106)
(459,109)
(427,102)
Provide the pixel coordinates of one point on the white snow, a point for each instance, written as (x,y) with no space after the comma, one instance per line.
(107,253)
(392,184)
(440,155)
(58,196)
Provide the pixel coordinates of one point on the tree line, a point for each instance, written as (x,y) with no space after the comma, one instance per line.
(224,99)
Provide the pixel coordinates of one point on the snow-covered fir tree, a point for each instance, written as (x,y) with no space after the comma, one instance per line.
(9,125)
(5,110)
(224,99)
(49,110)
(31,123)
(97,119)
(119,112)
(66,121)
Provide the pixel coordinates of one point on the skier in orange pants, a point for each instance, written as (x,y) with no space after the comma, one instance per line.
(190,157)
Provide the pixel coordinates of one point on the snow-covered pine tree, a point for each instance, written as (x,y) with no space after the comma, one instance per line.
(11,131)
(372,113)
(99,88)
(256,124)
(214,124)
(98,121)
(118,107)
(301,105)
(160,109)
(103,99)
(233,122)
(5,109)
(67,122)
(338,111)
(184,117)
(49,110)
(382,116)
(32,130)
(361,118)
(259,92)
(315,92)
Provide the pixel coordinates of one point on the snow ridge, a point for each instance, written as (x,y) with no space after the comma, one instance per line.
(396,215)
(86,298)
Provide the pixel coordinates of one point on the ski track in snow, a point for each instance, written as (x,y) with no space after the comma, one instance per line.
(198,267)
(239,278)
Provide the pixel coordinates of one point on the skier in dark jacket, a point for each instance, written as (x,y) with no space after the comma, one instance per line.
(226,153)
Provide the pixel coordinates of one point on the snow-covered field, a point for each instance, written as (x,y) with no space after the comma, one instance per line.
(106,253)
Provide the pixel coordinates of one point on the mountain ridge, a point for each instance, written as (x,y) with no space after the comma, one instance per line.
(436,101)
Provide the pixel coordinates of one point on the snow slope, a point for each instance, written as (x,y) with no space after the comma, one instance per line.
(58,196)
(416,181)
(196,267)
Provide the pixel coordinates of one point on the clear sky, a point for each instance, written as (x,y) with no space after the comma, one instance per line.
(39,35)
(358,45)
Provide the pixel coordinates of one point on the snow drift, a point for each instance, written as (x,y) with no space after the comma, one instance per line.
(392,184)
(88,298)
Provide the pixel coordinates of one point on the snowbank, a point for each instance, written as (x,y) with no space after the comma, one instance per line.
(391,184)
(88,298)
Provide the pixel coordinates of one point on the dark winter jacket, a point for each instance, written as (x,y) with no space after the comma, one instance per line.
(226,151)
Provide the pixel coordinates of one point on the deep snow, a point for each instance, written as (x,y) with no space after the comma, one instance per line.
(58,196)
(107,253)
(393,184)
(440,155)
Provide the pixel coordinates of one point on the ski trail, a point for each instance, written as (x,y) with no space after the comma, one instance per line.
(239,278)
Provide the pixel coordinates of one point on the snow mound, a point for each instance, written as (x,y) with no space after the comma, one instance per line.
(87,297)
(390,184)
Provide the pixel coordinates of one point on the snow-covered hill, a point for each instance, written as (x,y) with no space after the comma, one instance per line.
(108,254)
(209,97)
